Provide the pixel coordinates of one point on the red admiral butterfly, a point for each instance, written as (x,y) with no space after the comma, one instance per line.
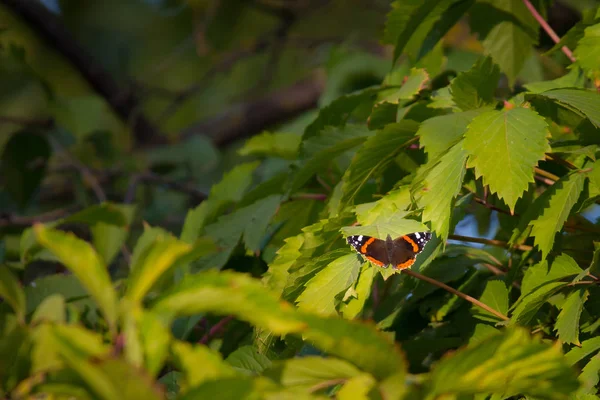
(400,253)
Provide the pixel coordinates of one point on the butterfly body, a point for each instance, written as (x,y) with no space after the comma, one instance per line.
(400,253)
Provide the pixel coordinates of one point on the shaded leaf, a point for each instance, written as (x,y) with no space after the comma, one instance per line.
(494,295)
(585,103)
(590,376)
(81,259)
(249,360)
(563,266)
(574,78)
(322,291)
(412,84)
(188,358)
(12,292)
(284,145)
(438,134)
(567,323)
(565,194)
(504,147)
(528,306)
(587,51)
(588,347)
(477,86)
(51,309)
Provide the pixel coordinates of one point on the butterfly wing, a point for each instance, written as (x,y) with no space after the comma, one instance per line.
(407,247)
(371,248)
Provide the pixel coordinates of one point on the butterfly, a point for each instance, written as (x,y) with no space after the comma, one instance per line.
(400,253)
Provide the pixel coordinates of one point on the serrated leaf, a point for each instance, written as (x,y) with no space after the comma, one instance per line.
(567,323)
(442,185)
(377,153)
(476,87)
(438,134)
(529,305)
(310,372)
(413,83)
(565,194)
(353,306)
(319,151)
(590,376)
(248,360)
(588,347)
(284,145)
(189,358)
(506,363)
(81,259)
(563,266)
(393,202)
(321,291)
(394,225)
(228,293)
(494,295)
(587,51)
(504,147)
(12,292)
(581,101)
(574,78)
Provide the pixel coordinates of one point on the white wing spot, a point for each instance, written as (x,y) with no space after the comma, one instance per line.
(417,235)
(360,238)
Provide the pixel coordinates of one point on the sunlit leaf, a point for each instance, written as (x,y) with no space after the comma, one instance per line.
(567,323)
(476,87)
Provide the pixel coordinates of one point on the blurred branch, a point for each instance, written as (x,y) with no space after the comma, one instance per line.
(245,119)
(150,178)
(50,28)
(11,220)
(26,121)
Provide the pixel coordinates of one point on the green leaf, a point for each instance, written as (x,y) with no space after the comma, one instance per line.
(442,185)
(585,103)
(228,293)
(154,340)
(351,308)
(587,51)
(51,309)
(393,202)
(234,388)
(357,387)
(588,347)
(337,112)
(394,225)
(438,134)
(108,213)
(12,292)
(247,359)
(374,157)
(322,291)
(284,145)
(567,323)
(506,363)
(476,87)
(81,259)
(528,305)
(565,194)
(358,343)
(188,358)
(574,78)
(23,164)
(414,83)
(229,190)
(536,275)
(109,239)
(590,375)
(504,147)
(311,372)
(494,295)
(157,258)
(82,115)
(448,19)
(319,151)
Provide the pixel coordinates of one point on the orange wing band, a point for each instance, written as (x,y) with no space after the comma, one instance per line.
(412,243)
(374,261)
(405,264)
(363,249)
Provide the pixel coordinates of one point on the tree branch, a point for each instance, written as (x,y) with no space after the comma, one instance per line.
(491,242)
(50,28)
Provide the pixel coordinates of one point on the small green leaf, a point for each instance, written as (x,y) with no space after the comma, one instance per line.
(588,347)
(494,295)
(413,84)
(377,153)
(394,225)
(82,115)
(353,306)
(442,185)
(476,87)
(563,266)
(189,358)
(81,259)
(528,305)
(581,101)
(51,309)
(12,292)
(284,145)
(565,194)
(438,134)
(590,376)
(228,293)
(506,363)
(587,51)
(233,388)
(357,387)
(311,372)
(567,323)
(574,78)
(152,264)
(321,295)
(249,360)
(504,147)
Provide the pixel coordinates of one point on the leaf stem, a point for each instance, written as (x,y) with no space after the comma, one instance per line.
(491,242)
(548,29)
(456,292)
(217,329)
(546,174)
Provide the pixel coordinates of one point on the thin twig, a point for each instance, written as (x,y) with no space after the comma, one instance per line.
(548,29)
(310,196)
(491,242)
(546,174)
(11,220)
(492,207)
(456,292)
(217,329)
(559,160)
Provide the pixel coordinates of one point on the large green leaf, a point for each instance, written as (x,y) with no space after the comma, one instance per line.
(504,147)
(248,360)
(476,87)
(81,259)
(322,291)
(439,133)
(588,347)
(507,363)
(311,372)
(588,51)
(376,154)
(442,185)
(565,194)
(494,295)
(358,294)
(528,305)
(228,293)
(563,266)
(567,323)
(581,101)
(394,225)
(199,363)
(12,292)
